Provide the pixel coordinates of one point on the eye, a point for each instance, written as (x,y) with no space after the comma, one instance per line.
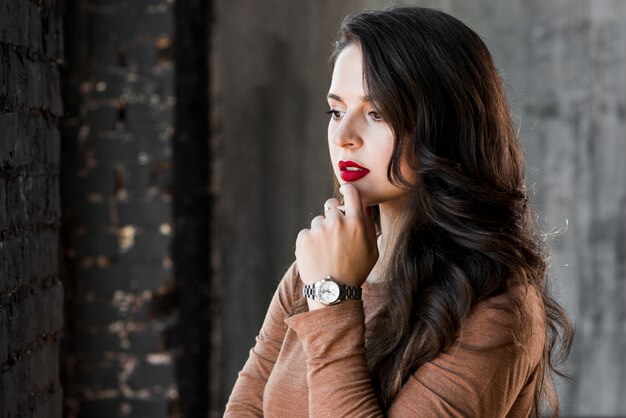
(335,114)
(375,115)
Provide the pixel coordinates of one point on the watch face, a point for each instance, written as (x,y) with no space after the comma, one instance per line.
(328,292)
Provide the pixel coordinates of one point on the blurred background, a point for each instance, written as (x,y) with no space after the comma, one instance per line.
(158,158)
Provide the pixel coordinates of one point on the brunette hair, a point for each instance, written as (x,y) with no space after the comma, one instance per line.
(468,233)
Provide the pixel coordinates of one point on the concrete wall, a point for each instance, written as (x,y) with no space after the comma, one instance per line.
(31,294)
(572,103)
(563,63)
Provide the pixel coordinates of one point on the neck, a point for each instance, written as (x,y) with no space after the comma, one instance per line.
(386,241)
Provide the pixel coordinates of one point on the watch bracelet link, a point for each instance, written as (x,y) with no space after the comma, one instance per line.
(309,291)
(352,292)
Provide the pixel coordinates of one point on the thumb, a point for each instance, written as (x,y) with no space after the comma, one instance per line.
(352,201)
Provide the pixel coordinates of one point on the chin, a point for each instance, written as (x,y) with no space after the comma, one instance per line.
(366,198)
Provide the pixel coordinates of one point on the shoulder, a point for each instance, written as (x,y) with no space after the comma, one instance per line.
(516,319)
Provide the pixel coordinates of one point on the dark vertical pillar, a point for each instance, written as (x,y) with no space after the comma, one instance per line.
(117,202)
(191,207)
(31,294)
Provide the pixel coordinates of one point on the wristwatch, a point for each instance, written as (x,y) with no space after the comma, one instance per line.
(329,291)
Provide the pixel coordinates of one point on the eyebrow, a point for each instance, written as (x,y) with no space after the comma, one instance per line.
(333,96)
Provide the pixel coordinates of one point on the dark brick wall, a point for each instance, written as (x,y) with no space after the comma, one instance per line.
(118,91)
(31,294)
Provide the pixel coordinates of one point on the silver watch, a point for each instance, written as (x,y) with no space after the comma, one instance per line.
(329,291)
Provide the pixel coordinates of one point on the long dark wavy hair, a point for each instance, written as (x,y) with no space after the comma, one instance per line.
(468,233)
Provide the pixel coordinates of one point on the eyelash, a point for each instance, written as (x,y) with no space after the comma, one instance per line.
(333,114)
(378,117)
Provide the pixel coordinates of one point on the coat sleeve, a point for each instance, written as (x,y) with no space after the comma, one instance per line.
(246,398)
(479,376)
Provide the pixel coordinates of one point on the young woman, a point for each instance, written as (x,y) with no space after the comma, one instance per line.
(423,294)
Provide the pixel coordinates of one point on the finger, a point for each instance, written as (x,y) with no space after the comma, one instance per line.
(352,201)
(316,221)
(334,208)
(301,236)
(337,212)
(330,205)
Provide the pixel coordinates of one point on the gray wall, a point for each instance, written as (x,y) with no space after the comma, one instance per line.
(572,104)
(563,62)
(271,175)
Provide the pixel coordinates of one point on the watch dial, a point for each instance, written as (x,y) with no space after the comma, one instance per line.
(329,292)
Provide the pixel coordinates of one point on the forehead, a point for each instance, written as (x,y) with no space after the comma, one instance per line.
(347,78)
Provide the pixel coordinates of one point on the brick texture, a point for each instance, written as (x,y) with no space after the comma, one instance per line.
(31,293)
(116,187)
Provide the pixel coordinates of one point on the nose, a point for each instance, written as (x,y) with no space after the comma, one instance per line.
(347,134)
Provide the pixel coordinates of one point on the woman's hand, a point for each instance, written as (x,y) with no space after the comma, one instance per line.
(339,245)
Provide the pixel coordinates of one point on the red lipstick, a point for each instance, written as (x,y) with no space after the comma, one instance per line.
(351,171)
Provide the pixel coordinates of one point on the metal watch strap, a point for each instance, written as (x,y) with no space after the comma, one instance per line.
(309,291)
(353,293)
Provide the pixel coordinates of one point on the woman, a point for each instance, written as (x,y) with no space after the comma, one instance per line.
(424,295)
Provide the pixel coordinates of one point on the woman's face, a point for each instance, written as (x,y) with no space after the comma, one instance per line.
(360,140)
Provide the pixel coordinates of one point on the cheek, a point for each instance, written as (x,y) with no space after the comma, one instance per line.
(408,173)
(386,142)
(330,131)
(332,151)
(384,151)
(332,147)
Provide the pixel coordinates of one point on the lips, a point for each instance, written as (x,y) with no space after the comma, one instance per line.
(351,171)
